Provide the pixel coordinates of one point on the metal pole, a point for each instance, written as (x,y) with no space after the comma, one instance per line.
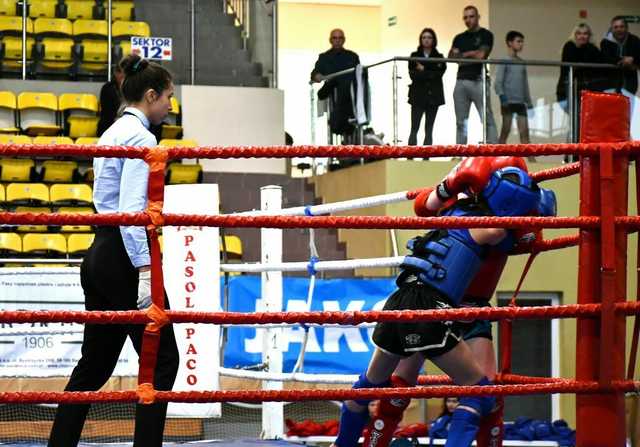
(484,103)
(572,112)
(274,82)
(193,42)
(246,22)
(271,242)
(109,41)
(24,39)
(395,103)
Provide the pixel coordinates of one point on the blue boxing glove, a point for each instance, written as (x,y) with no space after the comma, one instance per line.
(548,205)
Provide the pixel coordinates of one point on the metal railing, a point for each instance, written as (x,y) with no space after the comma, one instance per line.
(571,90)
(240,9)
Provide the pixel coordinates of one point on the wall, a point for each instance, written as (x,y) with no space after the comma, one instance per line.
(233,116)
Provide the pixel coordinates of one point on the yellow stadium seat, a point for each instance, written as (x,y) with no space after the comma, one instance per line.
(14,139)
(125,29)
(90,28)
(80,9)
(178,143)
(32,228)
(78,244)
(52,140)
(12,25)
(10,243)
(59,171)
(75,228)
(172,129)
(42,8)
(234,246)
(8,8)
(38,113)
(8,112)
(73,194)
(80,111)
(27,193)
(3,196)
(122,10)
(93,45)
(87,140)
(13,51)
(16,170)
(44,243)
(52,27)
(179,173)
(57,53)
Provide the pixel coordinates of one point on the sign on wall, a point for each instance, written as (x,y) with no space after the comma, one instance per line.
(154,48)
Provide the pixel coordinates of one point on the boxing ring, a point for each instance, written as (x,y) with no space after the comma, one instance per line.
(602,307)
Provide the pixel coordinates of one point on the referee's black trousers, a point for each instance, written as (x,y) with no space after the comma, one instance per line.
(110,282)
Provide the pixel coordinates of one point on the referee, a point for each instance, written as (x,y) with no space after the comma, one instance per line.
(115,273)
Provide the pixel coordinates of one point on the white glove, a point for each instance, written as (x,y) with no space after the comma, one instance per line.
(144,289)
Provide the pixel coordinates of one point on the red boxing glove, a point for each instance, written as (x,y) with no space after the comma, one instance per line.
(471,173)
(420,204)
(504,161)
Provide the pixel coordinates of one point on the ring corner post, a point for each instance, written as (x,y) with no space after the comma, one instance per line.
(600,354)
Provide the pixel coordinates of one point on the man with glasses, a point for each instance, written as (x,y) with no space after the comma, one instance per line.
(337,90)
(475,43)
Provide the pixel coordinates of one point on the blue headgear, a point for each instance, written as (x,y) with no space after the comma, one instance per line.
(548,205)
(511,192)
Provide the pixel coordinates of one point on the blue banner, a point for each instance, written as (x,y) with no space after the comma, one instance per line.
(337,350)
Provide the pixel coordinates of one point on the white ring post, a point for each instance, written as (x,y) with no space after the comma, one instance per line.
(271,245)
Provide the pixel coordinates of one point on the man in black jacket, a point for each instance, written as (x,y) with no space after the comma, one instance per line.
(622,48)
(338,90)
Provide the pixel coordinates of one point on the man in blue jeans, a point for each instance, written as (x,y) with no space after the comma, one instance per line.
(475,43)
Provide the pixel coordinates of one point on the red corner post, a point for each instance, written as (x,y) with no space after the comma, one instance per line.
(600,346)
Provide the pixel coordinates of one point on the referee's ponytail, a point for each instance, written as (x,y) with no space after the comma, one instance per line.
(141,75)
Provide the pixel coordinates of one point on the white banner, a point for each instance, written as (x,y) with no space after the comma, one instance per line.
(46,349)
(155,48)
(191,266)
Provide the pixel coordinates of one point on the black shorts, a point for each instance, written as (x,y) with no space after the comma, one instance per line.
(510,109)
(475,328)
(405,339)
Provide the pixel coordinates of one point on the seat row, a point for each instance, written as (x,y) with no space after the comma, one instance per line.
(74,114)
(70,9)
(60,44)
(48,244)
(58,194)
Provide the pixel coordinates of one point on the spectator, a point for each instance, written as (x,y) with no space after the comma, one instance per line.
(439,428)
(512,87)
(337,90)
(580,49)
(110,100)
(623,48)
(426,93)
(475,43)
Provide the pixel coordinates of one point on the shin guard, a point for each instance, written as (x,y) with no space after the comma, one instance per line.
(386,417)
(466,418)
(491,432)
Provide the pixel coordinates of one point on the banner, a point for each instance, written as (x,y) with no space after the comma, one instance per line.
(154,48)
(191,267)
(330,349)
(46,349)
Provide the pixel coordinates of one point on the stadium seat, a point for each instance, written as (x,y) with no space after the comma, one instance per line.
(17,170)
(8,8)
(78,244)
(10,243)
(14,139)
(75,228)
(125,29)
(3,196)
(177,143)
(71,194)
(52,140)
(80,114)
(55,49)
(27,193)
(91,44)
(122,10)
(38,113)
(44,8)
(32,228)
(173,128)
(11,39)
(44,243)
(81,9)
(8,112)
(87,140)
(52,27)
(234,246)
(178,173)
(59,171)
